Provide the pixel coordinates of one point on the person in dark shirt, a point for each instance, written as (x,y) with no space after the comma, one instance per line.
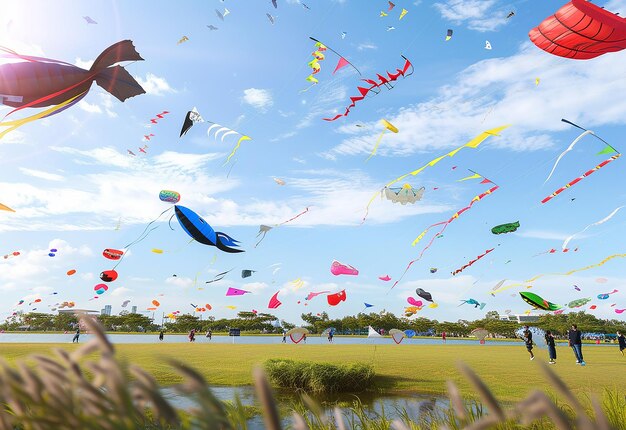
(622,342)
(576,342)
(528,340)
(161,335)
(76,336)
(551,347)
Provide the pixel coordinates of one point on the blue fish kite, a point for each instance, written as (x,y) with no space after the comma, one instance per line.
(202,232)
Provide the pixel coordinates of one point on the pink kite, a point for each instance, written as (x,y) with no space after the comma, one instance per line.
(236,292)
(337,268)
(385,278)
(414,302)
(274,302)
(313,295)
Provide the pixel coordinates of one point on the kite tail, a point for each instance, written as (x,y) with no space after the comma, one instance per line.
(116,80)
(376,145)
(241,139)
(224,243)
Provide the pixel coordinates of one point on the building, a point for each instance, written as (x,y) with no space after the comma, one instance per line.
(106,311)
(133,310)
(520,318)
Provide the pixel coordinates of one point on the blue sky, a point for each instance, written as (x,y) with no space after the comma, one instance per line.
(71,181)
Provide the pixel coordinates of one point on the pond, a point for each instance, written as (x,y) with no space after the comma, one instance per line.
(373,405)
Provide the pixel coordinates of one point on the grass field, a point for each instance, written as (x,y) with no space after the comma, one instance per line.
(507,370)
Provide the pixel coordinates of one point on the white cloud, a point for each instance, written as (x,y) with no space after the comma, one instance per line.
(616,6)
(41,174)
(154,85)
(258,98)
(89,107)
(364,46)
(480,15)
(121,291)
(83,64)
(502,91)
(180,281)
(16,136)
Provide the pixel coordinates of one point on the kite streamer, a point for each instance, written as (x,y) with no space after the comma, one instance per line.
(445,225)
(580,178)
(404,72)
(602,221)
(569,148)
(460,269)
(474,143)
(592,266)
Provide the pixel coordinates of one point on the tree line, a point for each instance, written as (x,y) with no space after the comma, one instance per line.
(249,322)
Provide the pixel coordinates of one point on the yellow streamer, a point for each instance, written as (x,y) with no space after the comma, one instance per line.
(241,139)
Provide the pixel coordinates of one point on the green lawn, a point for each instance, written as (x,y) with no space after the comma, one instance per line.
(507,370)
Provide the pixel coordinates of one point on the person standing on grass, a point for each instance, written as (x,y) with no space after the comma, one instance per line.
(576,343)
(192,335)
(209,334)
(76,336)
(161,335)
(443,336)
(551,347)
(284,337)
(622,342)
(528,340)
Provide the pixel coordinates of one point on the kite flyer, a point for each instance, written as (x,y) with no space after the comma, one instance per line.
(551,347)
(76,336)
(576,343)
(528,340)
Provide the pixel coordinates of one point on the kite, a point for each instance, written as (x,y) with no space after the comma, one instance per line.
(336,298)
(424,295)
(329,330)
(275,4)
(367,305)
(246,273)
(71,272)
(236,292)
(156,303)
(312,295)
(297,283)
(343,34)
(263,229)
(476,303)
(413,302)
(404,12)
(580,30)
(606,295)
(487,45)
(602,221)
(375,85)
(318,55)
(554,251)
(409,333)
(405,194)
(41,82)
(449,35)
(460,269)
(385,278)
(108,275)
(397,335)
(279,181)
(270,17)
(480,334)
(383,14)
(227,131)
(53,252)
(578,303)
(411,310)
(125,303)
(169,196)
(212,27)
(577,288)
(113,254)
(390,28)
(274,302)
(89,20)
(601,263)
(372,333)
(182,40)
(539,336)
(100,289)
(538,302)
(391,5)
(337,268)
(218,277)
(387,126)
(202,232)
(601,280)
(433,270)
(474,143)
(157,251)
(221,15)
(5,208)
(12,254)
(192,117)
(505,228)
(297,334)
(580,178)
(619,311)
